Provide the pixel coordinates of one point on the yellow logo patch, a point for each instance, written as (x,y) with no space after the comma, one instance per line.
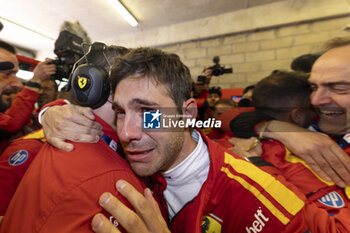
(82,82)
(211,224)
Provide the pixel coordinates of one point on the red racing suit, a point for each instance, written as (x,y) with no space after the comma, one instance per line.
(60,190)
(332,200)
(21,109)
(239,197)
(14,162)
(19,112)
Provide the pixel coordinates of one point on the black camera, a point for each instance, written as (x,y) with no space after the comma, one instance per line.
(68,50)
(217,69)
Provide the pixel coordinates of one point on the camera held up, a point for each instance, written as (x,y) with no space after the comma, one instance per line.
(68,51)
(217,69)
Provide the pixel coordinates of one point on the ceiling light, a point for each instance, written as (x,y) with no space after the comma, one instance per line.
(123,12)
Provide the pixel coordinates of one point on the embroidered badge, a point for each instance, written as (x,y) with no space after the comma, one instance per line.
(211,224)
(332,199)
(18,158)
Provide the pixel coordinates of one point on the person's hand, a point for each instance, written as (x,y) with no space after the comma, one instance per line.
(44,70)
(70,122)
(243,147)
(318,150)
(200,87)
(147,218)
(208,74)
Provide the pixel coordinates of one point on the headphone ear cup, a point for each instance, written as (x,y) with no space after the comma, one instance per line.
(90,85)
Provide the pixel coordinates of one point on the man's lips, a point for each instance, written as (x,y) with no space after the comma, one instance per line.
(138,155)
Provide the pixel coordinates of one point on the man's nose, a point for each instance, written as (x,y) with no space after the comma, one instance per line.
(15,82)
(130,129)
(320,96)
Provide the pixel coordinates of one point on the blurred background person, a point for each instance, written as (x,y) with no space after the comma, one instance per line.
(16,112)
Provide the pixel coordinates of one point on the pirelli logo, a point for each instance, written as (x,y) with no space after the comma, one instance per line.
(290,202)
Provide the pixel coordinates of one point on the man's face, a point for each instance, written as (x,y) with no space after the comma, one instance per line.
(330,80)
(9,83)
(47,92)
(147,151)
(212,99)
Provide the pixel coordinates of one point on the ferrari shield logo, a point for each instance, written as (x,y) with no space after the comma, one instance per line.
(82,82)
(211,224)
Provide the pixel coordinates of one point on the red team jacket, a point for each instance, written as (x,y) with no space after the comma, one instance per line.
(237,197)
(60,190)
(22,106)
(19,112)
(333,202)
(14,162)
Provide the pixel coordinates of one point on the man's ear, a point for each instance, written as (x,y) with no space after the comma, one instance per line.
(190,108)
(296,116)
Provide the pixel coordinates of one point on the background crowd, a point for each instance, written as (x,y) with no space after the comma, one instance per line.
(278,163)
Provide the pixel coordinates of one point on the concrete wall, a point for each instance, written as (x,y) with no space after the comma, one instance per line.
(253,41)
(253,55)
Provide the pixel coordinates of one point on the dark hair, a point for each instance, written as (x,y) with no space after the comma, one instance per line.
(7,47)
(215,90)
(336,42)
(248,88)
(304,62)
(280,92)
(111,52)
(153,63)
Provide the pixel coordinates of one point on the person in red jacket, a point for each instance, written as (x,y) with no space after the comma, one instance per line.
(291,103)
(199,186)
(17,112)
(330,92)
(59,191)
(14,161)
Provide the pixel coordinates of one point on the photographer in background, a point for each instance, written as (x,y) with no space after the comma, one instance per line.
(206,111)
(201,87)
(19,110)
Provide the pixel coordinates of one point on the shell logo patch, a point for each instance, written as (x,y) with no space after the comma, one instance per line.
(332,199)
(211,224)
(82,82)
(18,158)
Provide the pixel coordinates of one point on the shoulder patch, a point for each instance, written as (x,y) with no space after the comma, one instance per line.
(18,158)
(211,224)
(332,199)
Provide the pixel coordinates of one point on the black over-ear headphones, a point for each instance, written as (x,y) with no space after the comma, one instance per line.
(90,83)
